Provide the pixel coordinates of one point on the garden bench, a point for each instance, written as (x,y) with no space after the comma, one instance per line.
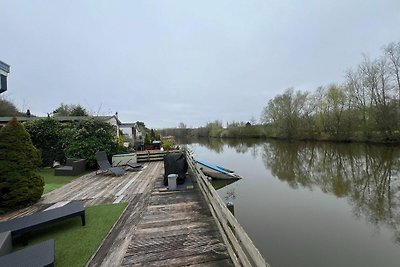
(38,255)
(26,224)
(5,243)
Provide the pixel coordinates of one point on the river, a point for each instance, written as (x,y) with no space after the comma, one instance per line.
(314,204)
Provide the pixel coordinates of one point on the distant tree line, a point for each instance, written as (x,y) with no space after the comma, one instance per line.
(366,107)
(9,109)
(215,129)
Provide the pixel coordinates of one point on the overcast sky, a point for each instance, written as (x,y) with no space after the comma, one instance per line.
(165,62)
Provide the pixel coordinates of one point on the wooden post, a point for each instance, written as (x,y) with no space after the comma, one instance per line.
(231,207)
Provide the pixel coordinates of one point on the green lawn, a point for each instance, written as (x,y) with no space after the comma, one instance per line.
(74,243)
(52,182)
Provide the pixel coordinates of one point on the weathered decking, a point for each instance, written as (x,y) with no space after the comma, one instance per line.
(176,229)
(158,227)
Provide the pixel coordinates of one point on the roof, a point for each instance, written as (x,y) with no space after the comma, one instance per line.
(20,119)
(128,125)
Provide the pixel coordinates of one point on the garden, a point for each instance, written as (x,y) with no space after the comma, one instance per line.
(27,153)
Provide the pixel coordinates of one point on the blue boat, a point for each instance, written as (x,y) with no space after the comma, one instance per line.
(217,172)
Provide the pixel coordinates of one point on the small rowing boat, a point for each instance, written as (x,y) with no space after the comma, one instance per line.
(217,172)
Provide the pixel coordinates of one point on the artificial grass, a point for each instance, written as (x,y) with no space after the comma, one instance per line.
(74,243)
(52,182)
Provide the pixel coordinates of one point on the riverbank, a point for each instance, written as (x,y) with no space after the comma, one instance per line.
(270,132)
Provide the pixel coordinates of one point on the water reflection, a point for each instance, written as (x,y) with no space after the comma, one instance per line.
(305,203)
(241,146)
(214,144)
(366,175)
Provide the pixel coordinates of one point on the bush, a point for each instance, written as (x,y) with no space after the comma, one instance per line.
(7,108)
(92,135)
(47,135)
(20,183)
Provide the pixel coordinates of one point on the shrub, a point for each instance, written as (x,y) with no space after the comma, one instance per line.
(92,135)
(47,136)
(167,144)
(20,183)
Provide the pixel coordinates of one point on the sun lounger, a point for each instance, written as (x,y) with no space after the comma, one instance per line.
(26,224)
(105,165)
(135,166)
(128,160)
(38,255)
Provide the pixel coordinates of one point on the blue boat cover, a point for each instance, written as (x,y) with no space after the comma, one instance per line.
(216,168)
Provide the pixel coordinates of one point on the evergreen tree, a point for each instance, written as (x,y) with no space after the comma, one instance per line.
(20,183)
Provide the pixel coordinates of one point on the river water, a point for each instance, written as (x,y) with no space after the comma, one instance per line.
(314,204)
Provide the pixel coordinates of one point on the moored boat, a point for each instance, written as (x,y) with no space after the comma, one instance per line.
(217,172)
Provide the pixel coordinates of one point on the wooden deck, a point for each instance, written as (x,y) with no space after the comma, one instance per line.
(158,227)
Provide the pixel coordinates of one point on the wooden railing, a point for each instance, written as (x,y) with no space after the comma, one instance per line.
(152,155)
(240,247)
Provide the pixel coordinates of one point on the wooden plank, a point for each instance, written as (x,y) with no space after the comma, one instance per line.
(215,263)
(198,259)
(176,229)
(207,252)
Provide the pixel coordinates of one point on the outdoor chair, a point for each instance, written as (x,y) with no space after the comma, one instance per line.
(135,166)
(128,161)
(72,167)
(105,166)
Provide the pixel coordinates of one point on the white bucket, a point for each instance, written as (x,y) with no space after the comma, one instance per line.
(172,181)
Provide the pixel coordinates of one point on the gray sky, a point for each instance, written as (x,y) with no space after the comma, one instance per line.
(165,62)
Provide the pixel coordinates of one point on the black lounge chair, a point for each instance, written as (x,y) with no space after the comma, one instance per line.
(134,166)
(105,165)
(26,224)
(38,255)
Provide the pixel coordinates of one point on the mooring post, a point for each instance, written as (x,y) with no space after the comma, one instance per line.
(231,207)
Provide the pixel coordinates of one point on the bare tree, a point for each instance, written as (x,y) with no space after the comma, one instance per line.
(182,125)
(392,52)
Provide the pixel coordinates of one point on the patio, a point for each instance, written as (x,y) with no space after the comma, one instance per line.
(158,227)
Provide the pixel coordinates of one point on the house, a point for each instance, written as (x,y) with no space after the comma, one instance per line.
(4,70)
(132,135)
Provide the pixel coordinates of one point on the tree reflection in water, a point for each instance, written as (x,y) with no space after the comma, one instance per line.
(368,176)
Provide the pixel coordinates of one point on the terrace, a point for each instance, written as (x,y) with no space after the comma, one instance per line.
(157,227)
